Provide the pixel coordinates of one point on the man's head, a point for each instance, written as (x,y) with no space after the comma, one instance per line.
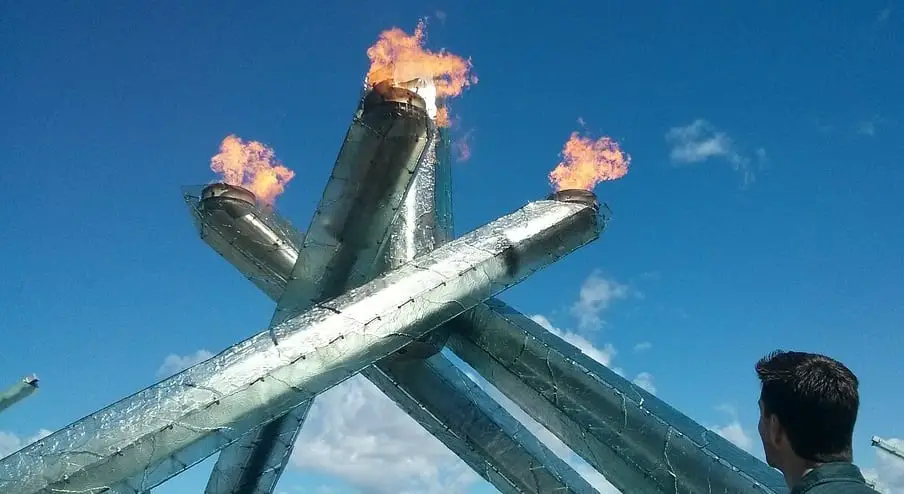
(808,407)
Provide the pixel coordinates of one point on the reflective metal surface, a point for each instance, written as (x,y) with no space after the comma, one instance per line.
(255,239)
(384,146)
(434,393)
(383,149)
(501,449)
(636,440)
(141,440)
(256,461)
(24,388)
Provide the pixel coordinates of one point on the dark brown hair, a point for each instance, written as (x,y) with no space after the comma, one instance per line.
(815,399)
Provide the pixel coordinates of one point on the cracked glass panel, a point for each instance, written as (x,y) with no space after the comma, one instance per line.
(635,439)
(265,376)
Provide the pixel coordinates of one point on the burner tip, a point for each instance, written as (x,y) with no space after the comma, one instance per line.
(580,196)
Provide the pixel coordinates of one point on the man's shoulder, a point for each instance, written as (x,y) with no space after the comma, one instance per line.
(837,487)
(841,478)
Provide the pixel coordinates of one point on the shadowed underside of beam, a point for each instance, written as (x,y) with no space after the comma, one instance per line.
(628,434)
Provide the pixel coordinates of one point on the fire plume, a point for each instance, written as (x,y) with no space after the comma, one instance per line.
(398,56)
(587,162)
(251,165)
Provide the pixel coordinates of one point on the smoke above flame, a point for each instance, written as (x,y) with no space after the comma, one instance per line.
(587,162)
(461,146)
(399,56)
(251,165)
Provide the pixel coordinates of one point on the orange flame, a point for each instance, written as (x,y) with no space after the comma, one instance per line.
(251,165)
(587,162)
(399,56)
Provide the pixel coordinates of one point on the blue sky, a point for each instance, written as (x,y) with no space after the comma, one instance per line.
(762,209)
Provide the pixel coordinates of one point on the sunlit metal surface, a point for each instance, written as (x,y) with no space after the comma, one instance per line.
(24,388)
(384,145)
(635,439)
(137,442)
(256,240)
(434,393)
(886,446)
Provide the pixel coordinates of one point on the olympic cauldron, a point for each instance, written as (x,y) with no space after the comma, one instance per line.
(377,285)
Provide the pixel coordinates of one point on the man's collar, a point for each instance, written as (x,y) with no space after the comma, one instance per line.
(828,472)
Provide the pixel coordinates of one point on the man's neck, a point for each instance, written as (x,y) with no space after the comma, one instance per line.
(796,469)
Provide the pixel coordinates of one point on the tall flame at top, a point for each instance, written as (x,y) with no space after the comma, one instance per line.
(587,162)
(399,57)
(251,165)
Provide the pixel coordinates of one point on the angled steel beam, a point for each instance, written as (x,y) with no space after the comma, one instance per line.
(433,392)
(26,387)
(134,444)
(635,439)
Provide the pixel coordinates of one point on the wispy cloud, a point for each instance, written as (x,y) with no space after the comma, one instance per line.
(597,293)
(176,363)
(870,126)
(700,141)
(355,433)
(888,472)
(10,443)
(560,449)
(733,430)
(645,381)
(602,354)
(867,128)
(643,346)
(461,146)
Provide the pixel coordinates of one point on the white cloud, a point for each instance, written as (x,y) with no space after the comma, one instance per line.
(602,355)
(596,294)
(645,381)
(175,363)
(733,430)
(356,433)
(867,128)
(10,443)
(698,142)
(643,346)
(584,469)
(888,474)
(701,141)
(870,126)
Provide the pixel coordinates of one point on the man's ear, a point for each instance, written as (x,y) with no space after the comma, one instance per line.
(776,431)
